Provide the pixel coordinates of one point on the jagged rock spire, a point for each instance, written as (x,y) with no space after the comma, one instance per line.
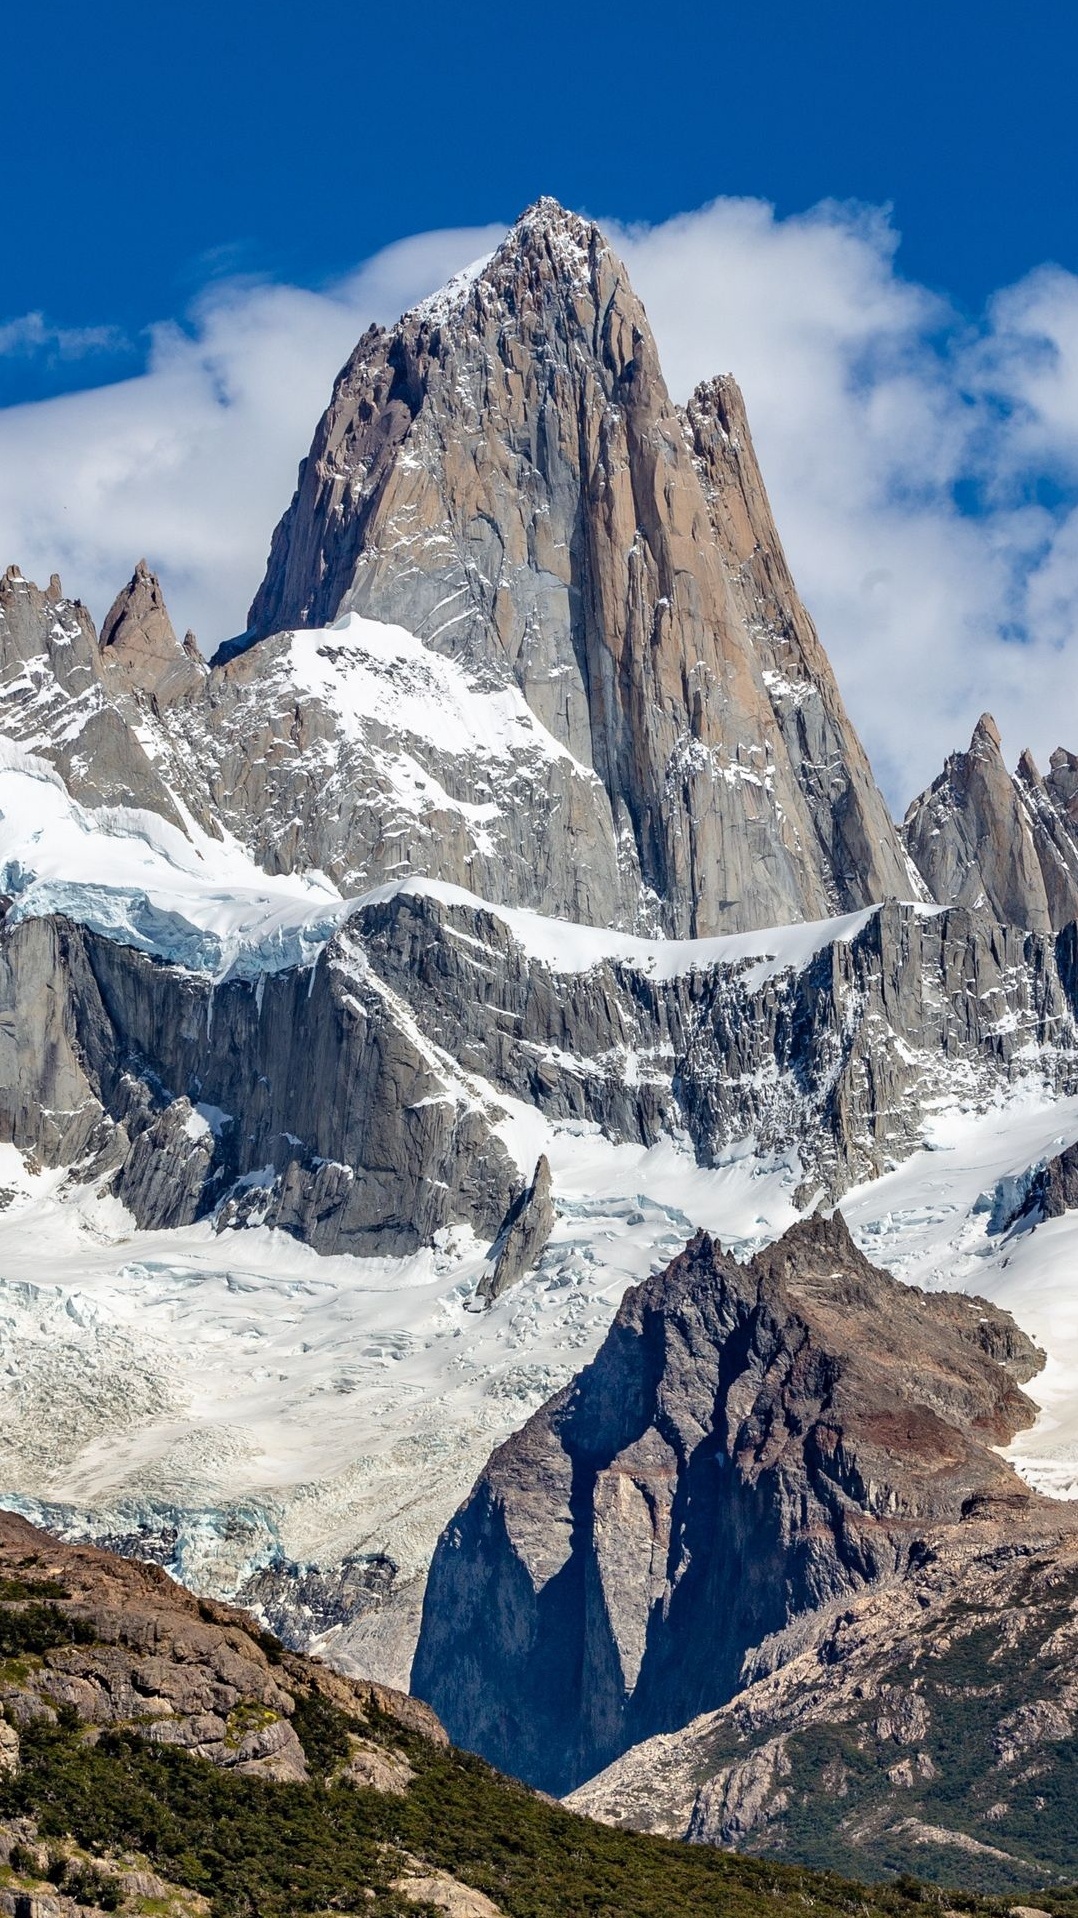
(850,817)
(505,474)
(981,837)
(139,643)
(676,1504)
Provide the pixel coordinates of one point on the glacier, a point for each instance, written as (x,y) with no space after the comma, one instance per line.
(190,899)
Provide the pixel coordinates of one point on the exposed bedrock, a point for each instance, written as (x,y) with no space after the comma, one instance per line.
(505,474)
(981,836)
(750,1443)
(528,1225)
(356,1103)
(318,1109)
(836,1058)
(930,1721)
(57,700)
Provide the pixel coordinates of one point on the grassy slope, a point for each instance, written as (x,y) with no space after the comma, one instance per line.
(844,1815)
(254,1847)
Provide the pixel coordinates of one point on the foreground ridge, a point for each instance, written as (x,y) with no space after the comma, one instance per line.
(161,1754)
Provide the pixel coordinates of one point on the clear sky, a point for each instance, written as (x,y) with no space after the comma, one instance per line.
(149,147)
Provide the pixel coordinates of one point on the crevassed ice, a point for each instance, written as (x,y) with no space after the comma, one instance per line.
(195,901)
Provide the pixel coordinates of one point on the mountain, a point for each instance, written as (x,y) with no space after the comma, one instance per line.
(139,645)
(160,1755)
(750,1444)
(384,997)
(505,475)
(982,837)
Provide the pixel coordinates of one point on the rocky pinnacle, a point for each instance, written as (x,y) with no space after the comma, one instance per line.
(505,474)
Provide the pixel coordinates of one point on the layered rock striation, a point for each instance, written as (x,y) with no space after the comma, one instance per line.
(307,1101)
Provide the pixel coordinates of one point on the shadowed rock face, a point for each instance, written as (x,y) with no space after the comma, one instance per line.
(505,474)
(980,837)
(331,1121)
(750,1443)
(931,1719)
(527,1228)
(1053,1190)
(362,1097)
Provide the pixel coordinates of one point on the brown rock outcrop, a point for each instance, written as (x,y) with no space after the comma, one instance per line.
(751,1443)
(139,644)
(147,1656)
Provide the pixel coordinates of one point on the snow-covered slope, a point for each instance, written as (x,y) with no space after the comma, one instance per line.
(203,903)
(246,1401)
(193,900)
(245,1410)
(939,1221)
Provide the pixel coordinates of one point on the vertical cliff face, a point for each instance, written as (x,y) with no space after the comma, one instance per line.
(331,1117)
(981,837)
(751,1442)
(505,474)
(855,837)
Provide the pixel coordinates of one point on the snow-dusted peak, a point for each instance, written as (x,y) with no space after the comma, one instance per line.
(563,248)
(565,242)
(450,299)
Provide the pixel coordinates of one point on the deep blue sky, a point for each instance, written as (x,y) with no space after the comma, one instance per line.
(148,148)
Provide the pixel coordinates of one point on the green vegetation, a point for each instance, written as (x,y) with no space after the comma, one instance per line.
(14,1589)
(273,1850)
(844,1813)
(39,1626)
(246,1717)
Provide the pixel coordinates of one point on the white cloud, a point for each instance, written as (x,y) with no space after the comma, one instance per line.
(872,406)
(871,403)
(32,334)
(192,463)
